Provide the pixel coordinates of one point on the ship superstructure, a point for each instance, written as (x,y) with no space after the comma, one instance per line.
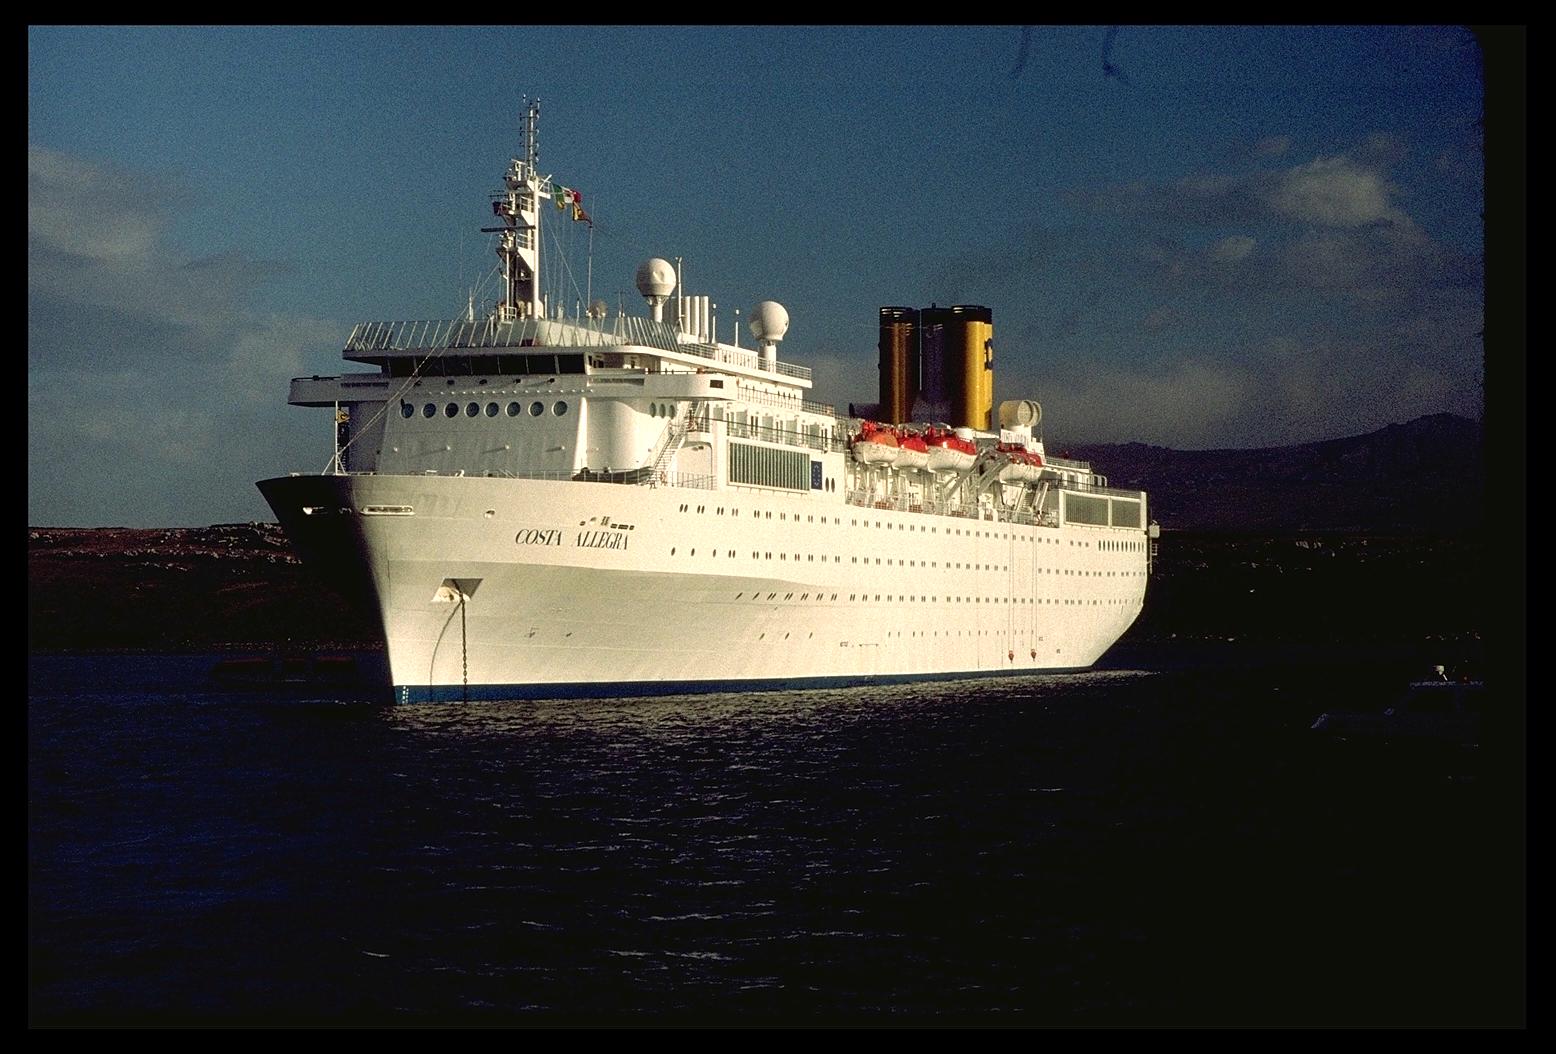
(538,505)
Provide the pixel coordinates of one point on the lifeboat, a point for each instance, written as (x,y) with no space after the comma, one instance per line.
(911,451)
(1024,466)
(875,445)
(949,452)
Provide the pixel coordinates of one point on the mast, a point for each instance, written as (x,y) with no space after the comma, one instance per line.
(518,243)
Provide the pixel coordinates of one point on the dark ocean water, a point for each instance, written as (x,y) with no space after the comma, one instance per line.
(1159,842)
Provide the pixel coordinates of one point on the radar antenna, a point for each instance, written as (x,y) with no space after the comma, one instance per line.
(518,242)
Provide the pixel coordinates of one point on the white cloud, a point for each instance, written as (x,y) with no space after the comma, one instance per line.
(156,393)
(1333,192)
(1176,405)
(85,209)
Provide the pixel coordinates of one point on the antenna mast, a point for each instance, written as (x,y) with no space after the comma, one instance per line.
(518,244)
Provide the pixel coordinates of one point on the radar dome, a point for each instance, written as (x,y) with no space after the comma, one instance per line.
(769,321)
(656,277)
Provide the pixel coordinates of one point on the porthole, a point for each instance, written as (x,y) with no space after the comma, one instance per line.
(451,410)
(429,410)
(536,409)
(513,409)
(653,409)
(472,409)
(407,410)
(492,409)
(559,408)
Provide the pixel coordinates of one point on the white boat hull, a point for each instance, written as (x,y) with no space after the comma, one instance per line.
(867,453)
(562,600)
(945,459)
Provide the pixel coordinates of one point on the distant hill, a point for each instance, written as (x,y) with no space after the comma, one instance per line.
(1423,476)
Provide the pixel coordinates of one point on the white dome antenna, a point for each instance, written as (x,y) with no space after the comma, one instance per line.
(769,323)
(656,281)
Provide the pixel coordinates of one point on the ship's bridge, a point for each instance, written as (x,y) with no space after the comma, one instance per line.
(533,345)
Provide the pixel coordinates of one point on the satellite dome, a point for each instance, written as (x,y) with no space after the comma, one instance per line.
(769,321)
(656,277)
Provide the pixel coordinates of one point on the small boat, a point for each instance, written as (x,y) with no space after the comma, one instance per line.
(1024,466)
(1435,709)
(875,445)
(912,452)
(948,452)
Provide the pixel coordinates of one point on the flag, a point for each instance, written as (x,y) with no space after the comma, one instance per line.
(580,214)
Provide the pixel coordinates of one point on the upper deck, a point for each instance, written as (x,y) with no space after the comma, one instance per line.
(381,343)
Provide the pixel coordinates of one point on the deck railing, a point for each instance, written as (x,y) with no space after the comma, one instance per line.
(432,335)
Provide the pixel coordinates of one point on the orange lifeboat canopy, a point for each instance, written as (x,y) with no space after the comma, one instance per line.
(870,432)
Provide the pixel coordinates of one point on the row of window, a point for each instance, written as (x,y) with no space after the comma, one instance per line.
(1112,546)
(450,364)
(472,409)
(892,598)
(950,565)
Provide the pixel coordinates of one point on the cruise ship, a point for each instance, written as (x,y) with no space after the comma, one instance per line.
(542,505)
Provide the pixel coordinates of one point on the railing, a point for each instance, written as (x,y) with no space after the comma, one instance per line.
(955,509)
(440,335)
(670,440)
(747,394)
(786,436)
(1087,488)
(1063,462)
(638,477)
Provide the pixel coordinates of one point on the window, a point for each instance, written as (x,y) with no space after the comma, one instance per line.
(491,409)
(559,408)
(429,410)
(407,410)
(472,409)
(536,409)
(513,409)
(451,410)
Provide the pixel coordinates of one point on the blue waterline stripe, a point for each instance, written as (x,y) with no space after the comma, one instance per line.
(447,693)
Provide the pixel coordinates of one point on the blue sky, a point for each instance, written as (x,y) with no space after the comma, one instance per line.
(1196,237)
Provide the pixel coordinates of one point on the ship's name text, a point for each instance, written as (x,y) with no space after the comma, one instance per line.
(531,536)
(601,540)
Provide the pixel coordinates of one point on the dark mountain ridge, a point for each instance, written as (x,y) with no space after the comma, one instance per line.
(1426,475)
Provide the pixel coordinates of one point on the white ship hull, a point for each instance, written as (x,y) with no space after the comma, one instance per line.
(600,589)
